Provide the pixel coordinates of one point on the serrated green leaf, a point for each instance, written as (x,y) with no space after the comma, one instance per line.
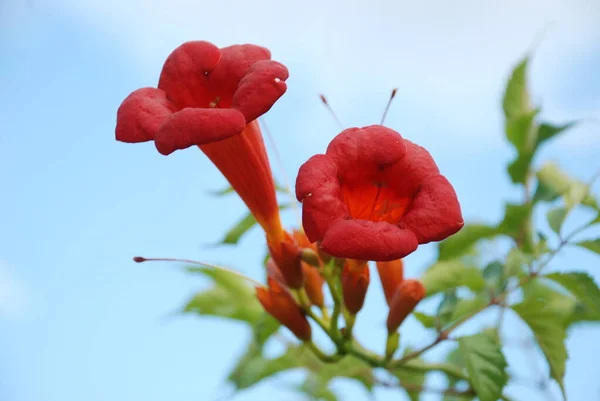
(553,182)
(253,367)
(556,218)
(467,306)
(549,131)
(316,390)
(462,242)
(582,286)
(264,328)
(426,320)
(410,378)
(229,297)
(591,245)
(486,366)
(447,275)
(550,333)
(516,96)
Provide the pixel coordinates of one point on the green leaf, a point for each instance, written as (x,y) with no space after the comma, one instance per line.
(549,131)
(591,245)
(446,275)
(516,97)
(553,182)
(253,367)
(410,379)
(515,215)
(516,262)
(519,130)
(446,309)
(495,277)
(427,321)
(467,306)
(239,229)
(461,242)
(486,365)
(229,297)
(550,332)
(222,192)
(264,328)
(519,168)
(575,195)
(556,218)
(582,286)
(316,390)
(236,232)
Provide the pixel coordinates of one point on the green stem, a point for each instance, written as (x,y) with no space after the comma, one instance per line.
(321,355)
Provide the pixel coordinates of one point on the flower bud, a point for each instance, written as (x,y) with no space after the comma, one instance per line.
(391,275)
(406,298)
(355,281)
(286,256)
(280,304)
(313,284)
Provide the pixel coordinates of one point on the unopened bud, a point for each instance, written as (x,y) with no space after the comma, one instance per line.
(139,259)
(310,257)
(286,256)
(280,304)
(391,275)
(355,281)
(407,296)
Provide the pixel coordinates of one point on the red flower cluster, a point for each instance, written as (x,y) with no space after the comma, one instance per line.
(373,196)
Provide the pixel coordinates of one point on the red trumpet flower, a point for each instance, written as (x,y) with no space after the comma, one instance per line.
(211,97)
(375,196)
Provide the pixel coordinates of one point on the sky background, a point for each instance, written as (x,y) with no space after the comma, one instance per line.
(80,321)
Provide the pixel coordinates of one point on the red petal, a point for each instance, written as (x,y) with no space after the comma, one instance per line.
(406,175)
(141,114)
(260,89)
(183,76)
(367,240)
(192,126)
(318,189)
(435,212)
(360,153)
(234,64)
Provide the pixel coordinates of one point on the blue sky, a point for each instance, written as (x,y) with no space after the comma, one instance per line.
(79,320)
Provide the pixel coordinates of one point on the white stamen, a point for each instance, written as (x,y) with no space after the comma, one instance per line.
(277,80)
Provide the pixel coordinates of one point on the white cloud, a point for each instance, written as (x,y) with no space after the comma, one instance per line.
(449,58)
(14,296)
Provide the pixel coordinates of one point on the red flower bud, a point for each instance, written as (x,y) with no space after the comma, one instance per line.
(391,275)
(286,255)
(313,281)
(375,196)
(280,304)
(313,284)
(355,281)
(406,298)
